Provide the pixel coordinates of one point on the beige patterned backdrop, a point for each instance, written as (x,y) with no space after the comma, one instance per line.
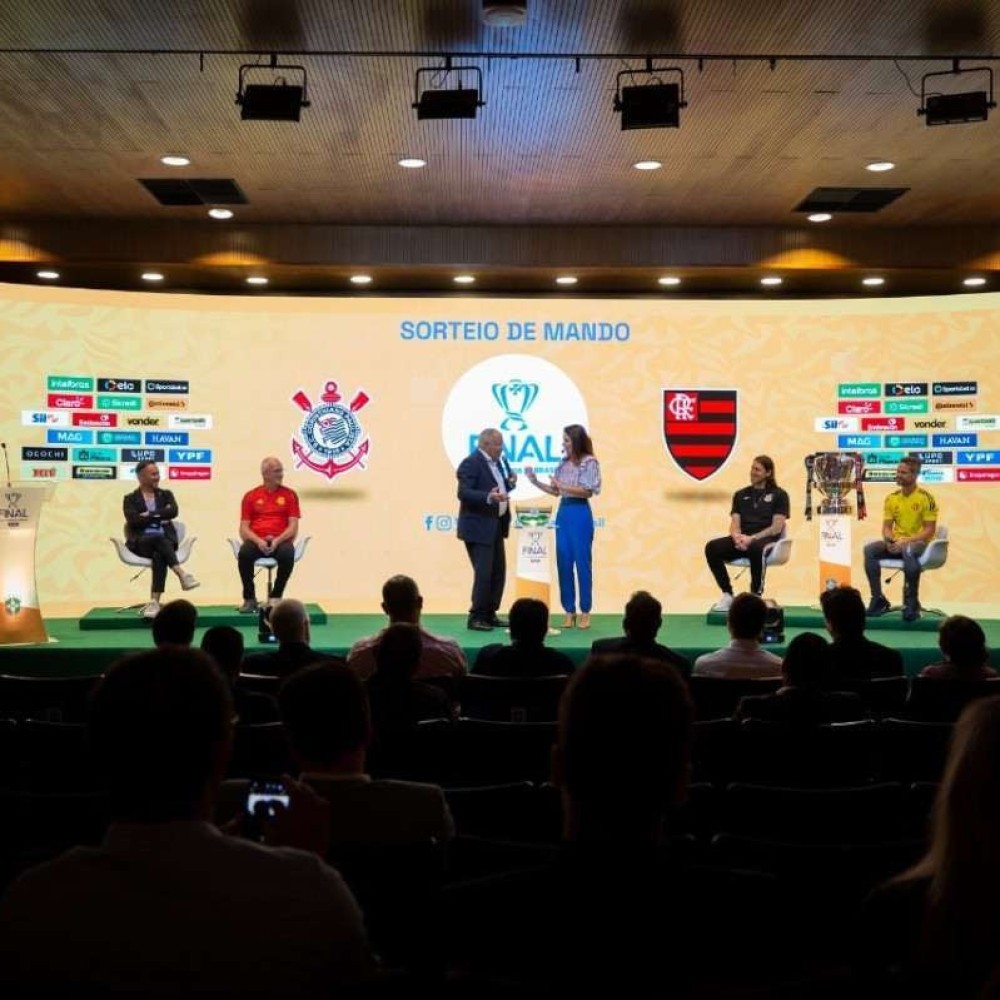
(246,357)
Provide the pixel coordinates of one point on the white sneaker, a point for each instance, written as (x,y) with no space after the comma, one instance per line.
(723,604)
(150,610)
(188,582)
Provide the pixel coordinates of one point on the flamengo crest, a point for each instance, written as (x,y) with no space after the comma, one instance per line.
(699,428)
(331,432)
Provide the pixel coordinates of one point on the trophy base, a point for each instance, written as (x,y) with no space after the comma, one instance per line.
(835,507)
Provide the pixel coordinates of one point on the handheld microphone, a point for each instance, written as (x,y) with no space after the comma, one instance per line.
(6,461)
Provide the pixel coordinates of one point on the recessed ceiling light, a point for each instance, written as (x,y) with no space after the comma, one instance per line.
(647,165)
(256,279)
(220,213)
(819,217)
(464,279)
(973,282)
(771,280)
(566,279)
(412,162)
(669,280)
(880,166)
(152,276)
(361,279)
(873,282)
(47,275)
(175,161)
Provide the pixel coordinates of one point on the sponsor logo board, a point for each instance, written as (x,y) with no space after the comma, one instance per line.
(189,456)
(167,437)
(146,420)
(955,388)
(155,385)
(142,454)
(978,458)
(111,402)
(906,405)
(897,389)
(44,471)
(835,424)
(979,422)
(859,390)
(94,472)
(190,421)
(69,437)
(95,419)
(937,475)
(977,475)
(32,454)
(859,406)
(189,472)
(906,440)
(132,385)
(856,442)
(44,418)
(119,437)
(883,423)
(954,440)
(95,455)
(69,383)
(166,403)
(67,401)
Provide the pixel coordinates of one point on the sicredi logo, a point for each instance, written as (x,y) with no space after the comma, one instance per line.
(190,421)
(43,418)
(528,399)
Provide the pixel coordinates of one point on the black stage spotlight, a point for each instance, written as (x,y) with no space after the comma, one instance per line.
(651,105)
(955,109)
(277,101)
(447,102)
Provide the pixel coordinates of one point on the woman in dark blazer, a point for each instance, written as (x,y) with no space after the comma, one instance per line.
(150,532)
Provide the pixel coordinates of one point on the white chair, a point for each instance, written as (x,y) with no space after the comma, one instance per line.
(775,554)
(933,557)
(127,556)
(269,563)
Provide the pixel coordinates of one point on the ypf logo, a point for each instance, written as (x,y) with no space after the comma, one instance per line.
(331,433)
(527,398)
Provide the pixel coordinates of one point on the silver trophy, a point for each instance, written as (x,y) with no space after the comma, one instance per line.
(835,474)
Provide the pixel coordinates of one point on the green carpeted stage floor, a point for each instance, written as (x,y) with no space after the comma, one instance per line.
(89,644)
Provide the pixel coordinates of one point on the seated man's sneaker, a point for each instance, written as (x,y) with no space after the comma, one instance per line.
(911,611)
(723,604)
(188,582)
(150,610)
(878,606)
(248,607)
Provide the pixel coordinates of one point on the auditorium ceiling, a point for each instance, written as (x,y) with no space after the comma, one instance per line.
(783,97)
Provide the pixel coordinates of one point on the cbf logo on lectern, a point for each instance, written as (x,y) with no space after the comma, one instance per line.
(699,429)
(331,432)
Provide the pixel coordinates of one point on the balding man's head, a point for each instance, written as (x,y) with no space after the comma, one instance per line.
(290,621)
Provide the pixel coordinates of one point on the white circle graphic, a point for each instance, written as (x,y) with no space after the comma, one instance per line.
(528,399)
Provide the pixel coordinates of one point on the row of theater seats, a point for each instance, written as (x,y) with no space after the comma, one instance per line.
(38,755)
(536,699)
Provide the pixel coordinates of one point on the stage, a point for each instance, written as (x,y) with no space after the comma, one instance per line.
(87,645)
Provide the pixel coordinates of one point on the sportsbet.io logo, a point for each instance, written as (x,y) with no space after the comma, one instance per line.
(528,399)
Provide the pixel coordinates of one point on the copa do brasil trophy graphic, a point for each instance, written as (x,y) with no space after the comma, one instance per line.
(835,474)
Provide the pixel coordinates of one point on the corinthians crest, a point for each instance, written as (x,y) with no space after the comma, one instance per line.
(331,432)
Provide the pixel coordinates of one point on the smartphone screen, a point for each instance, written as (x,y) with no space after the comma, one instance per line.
(262,795)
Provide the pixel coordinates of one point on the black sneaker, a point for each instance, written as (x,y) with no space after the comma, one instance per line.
(878,606)
(911,612)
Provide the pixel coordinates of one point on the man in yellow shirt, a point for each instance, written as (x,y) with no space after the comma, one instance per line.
(909,522)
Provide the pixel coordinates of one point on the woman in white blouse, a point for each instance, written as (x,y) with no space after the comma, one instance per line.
(576,479)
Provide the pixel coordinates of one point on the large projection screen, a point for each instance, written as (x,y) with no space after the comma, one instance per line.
(370,402)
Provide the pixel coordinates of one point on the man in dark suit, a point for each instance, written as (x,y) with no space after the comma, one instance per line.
(642,621)
(150,532)
(484,483)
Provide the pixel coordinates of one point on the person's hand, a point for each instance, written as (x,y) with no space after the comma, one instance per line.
(305,824)
(512,480)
